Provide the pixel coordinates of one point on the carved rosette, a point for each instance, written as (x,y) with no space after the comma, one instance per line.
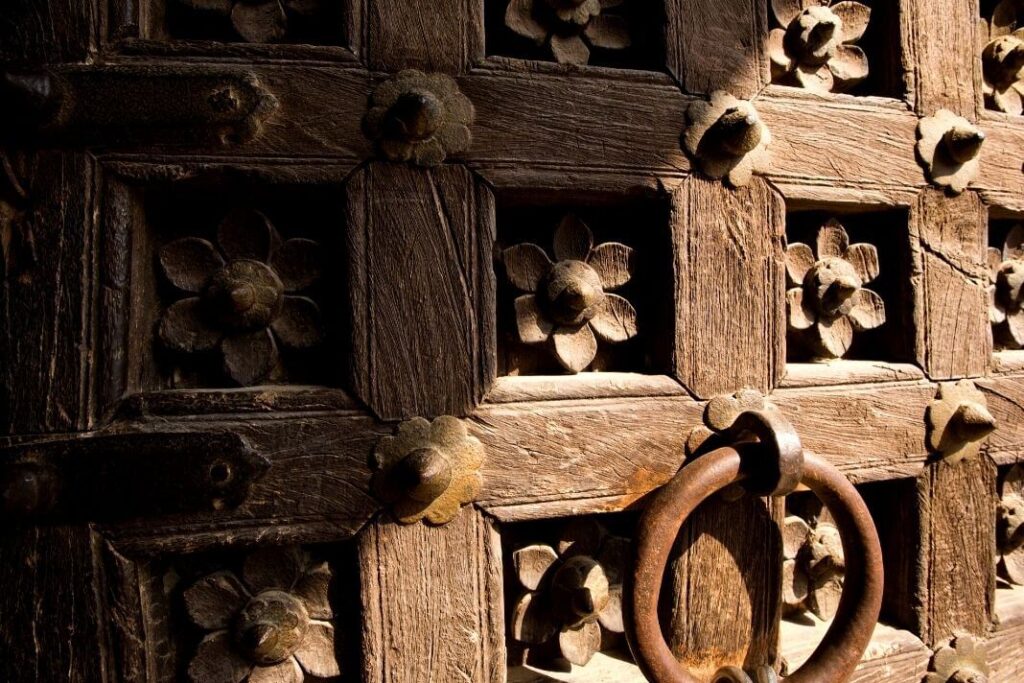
(721,412)
(813,48)
(570,28)
(258,21)
(428,470)
(962,661)
(1002,59)
(958,421)
(727,138)
(419,118)
(571,591)
(949,146)
(570,299)
(1006,290)
(813,569)
(827,300)
(244,295)
(1011,526)
(273,624)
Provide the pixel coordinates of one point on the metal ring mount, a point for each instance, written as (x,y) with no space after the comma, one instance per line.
(843,645)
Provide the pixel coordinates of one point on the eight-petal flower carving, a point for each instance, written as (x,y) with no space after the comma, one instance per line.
(1002,59)
(572,590)
(1011,526)
(244,299)
(962,661)
(258,21)
(813,48)
(828,301)
(419,117)
(273,624)
(1006,290)
(569,299)
(570,27)
(814,567)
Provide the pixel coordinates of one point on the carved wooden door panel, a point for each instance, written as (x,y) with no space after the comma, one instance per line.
(349,339)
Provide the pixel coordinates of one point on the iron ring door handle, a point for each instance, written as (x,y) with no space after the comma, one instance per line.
(837,656)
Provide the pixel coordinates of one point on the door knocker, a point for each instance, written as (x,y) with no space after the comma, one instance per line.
(766,457)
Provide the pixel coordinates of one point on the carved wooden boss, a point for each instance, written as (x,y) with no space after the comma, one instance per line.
(512,340)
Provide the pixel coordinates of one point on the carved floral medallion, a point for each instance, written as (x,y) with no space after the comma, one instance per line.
(570,28)
(962,661)
(958,421)
(258,21)
(1011,526)
(418,117)
(428,470)
(727,138)
(949,146)
(813,569)
(1002,59)
(272,624)
(242,295)
(813,48)
(571,590)
(1006,290)
(570,304)
(828,301)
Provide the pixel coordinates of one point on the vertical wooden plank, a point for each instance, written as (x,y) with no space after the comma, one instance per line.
(46,32)
(725,606)
(49,630)
(714,45)
(44,291)
(941,68)
(422,289)
(424,34)
(730,324)
(432,602)
(949,236)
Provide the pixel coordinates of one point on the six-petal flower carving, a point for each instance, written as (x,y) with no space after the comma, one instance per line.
(814,567)
(244,299)
(570,27)
(569,298)
(949,146)
(813,48)
(962,661)
(827,301)
(258,21)
(1002,59)
(572,590)
(1006,290)
(273,624)
(1011,526)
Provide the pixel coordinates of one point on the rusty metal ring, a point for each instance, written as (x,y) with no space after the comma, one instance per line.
(843,645)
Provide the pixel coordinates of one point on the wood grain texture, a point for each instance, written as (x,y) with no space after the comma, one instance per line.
(950,281)
(713,45)
(424,34)
(1005,398)
(1004,644)
(892,655)
(432,602)
(724,604)
(51,619)
(941,69)
(45,294)
(422,290)
(33,32)
(730,326)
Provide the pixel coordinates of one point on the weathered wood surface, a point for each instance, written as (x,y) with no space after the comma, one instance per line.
(718,46)
(432,602)
(1004,644)
(840,372)
(892,655)
(729,281)
(422,34)
(948,240)
(422,290)
(1005,398)
(940,65)
(34,32)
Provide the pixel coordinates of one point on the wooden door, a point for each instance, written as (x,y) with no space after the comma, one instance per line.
(346,339)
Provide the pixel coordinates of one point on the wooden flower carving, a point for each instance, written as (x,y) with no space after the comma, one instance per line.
(949,146)
(418,117)
(270,625)
(570,27)
(813,48)
(827,301)
(1002,59)
(428,469)
(958,420)
(569,298)
(245,299)
(962,661)
(258,21)
(727,138)
(571,591)
(1006,298)
(814,567)
(1011,526)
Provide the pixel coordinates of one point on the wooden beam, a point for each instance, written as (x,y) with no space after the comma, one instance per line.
(424,34)
(940,55)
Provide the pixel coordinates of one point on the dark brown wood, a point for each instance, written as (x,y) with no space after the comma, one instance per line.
(446,37)
(47,33)
(418,236)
